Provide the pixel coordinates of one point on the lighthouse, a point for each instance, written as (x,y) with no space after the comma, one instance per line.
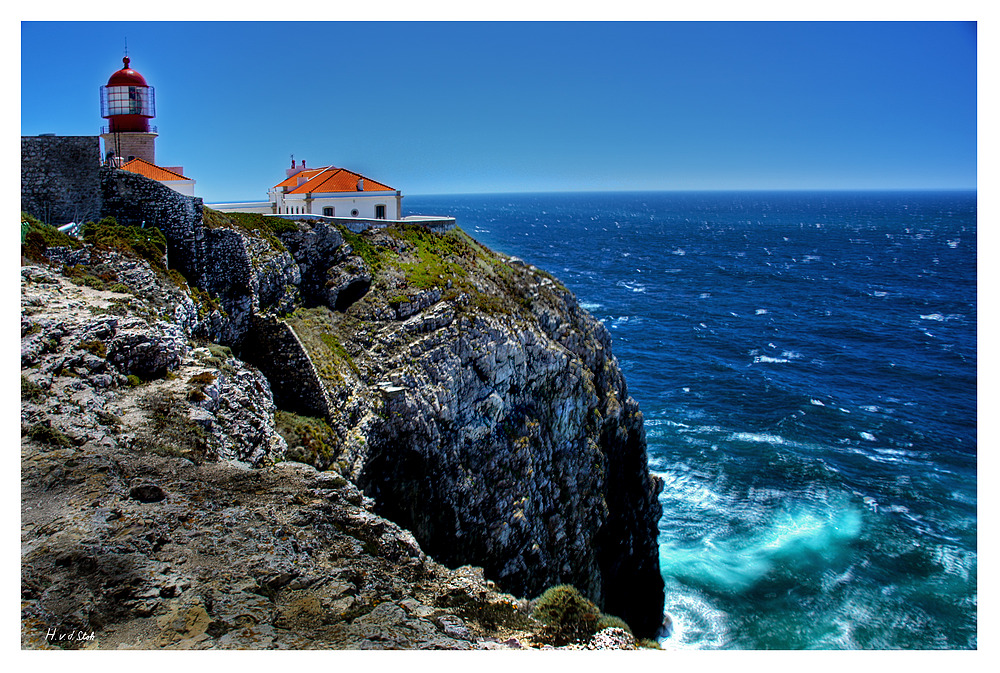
(127,102)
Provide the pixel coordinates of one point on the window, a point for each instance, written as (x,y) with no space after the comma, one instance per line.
(354,213)
(380,212)
(328,211)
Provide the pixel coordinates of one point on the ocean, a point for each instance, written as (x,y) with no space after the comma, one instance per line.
(806,366)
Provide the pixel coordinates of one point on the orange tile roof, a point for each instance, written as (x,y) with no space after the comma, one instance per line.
(152,171)
(330,179)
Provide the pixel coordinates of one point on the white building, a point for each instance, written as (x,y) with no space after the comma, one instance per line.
(327,191)
(337,194)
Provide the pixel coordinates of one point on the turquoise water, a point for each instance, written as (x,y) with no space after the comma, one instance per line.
(806,364)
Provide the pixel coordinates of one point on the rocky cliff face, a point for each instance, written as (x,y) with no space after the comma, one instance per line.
(468,396)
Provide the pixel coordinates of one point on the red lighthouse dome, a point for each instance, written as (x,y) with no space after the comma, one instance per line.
(127,102)
(126,76)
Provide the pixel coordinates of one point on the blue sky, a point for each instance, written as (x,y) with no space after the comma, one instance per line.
(439,108)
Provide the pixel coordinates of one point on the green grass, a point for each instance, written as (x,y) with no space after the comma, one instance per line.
(375,257)
(310,440)
(263,226)
(440,258)
(338,350)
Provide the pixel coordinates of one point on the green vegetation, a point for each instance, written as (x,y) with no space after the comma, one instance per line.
(310,440)
(257,224)
(373,256)
(95,347)
(32,391)
(133,381)
(568,617)
(203,301)
(612,622)
(338,350)
(439,258)
(320,329)
(149,243)
(452,262)
(37,237)
(45,433)
(217,357)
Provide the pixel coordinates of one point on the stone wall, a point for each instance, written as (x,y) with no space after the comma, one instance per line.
(136,200)
(59,178)
(274,348)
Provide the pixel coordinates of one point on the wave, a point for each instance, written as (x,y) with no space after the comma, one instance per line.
(631,285)
(797,536)
(695,624)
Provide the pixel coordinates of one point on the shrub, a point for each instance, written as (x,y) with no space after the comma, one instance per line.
(45,433)
(31,390)
(648,644)
(133,381)
(37,237)
(204,378)
(221,352)
(310,440)
(566,616)
(95,347)
(612,622)
(148,243)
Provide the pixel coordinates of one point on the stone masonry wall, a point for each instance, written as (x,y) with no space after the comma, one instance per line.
(134,199)
(59,178)
(274,348)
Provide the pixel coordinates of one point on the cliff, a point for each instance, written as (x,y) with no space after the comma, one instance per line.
(324,422)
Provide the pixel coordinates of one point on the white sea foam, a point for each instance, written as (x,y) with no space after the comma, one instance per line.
(867,436)
(631,285)
(797,533)
(817,403)
(756,437)
(768,358)
(696,624)
(760,311)
(590,306)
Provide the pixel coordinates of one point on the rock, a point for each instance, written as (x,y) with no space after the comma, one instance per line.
(347,282)
(612,639)
(504,444)
(146,354)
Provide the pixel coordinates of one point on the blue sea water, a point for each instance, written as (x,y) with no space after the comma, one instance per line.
(806,365)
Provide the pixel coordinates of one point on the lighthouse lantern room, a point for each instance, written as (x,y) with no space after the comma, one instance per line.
(128,103)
